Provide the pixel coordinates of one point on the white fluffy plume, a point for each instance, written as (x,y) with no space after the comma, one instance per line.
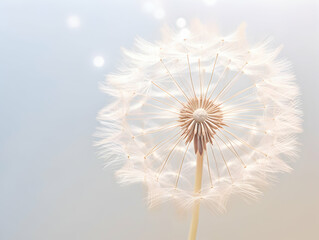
(246,129)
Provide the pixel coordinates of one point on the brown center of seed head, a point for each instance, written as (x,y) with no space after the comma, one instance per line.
(199,120)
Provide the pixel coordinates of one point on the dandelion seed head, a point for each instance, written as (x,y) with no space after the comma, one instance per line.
(176,98)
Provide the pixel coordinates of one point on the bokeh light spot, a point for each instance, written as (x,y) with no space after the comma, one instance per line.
(159,13)
(181,22)
(73,21)
(98,61)
(210,2)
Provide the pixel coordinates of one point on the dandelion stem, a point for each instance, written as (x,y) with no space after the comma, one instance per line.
(197,189)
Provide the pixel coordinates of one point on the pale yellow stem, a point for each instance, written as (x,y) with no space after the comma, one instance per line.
(197,189)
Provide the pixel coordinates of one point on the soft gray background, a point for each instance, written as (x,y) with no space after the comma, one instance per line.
(52,186)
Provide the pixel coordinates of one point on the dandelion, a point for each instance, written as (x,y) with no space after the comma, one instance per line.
(201,118)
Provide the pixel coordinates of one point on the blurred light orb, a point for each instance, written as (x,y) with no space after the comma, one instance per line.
(154,8)
(181,22)
(159,13)
(73,21)
(98,61)
(149,7)
(210,2)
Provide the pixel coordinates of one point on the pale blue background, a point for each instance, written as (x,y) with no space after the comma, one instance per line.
(52,185)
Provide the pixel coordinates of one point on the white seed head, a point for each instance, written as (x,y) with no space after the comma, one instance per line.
(176,98)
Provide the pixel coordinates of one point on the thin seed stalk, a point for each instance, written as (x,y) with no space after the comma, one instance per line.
(197,189)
